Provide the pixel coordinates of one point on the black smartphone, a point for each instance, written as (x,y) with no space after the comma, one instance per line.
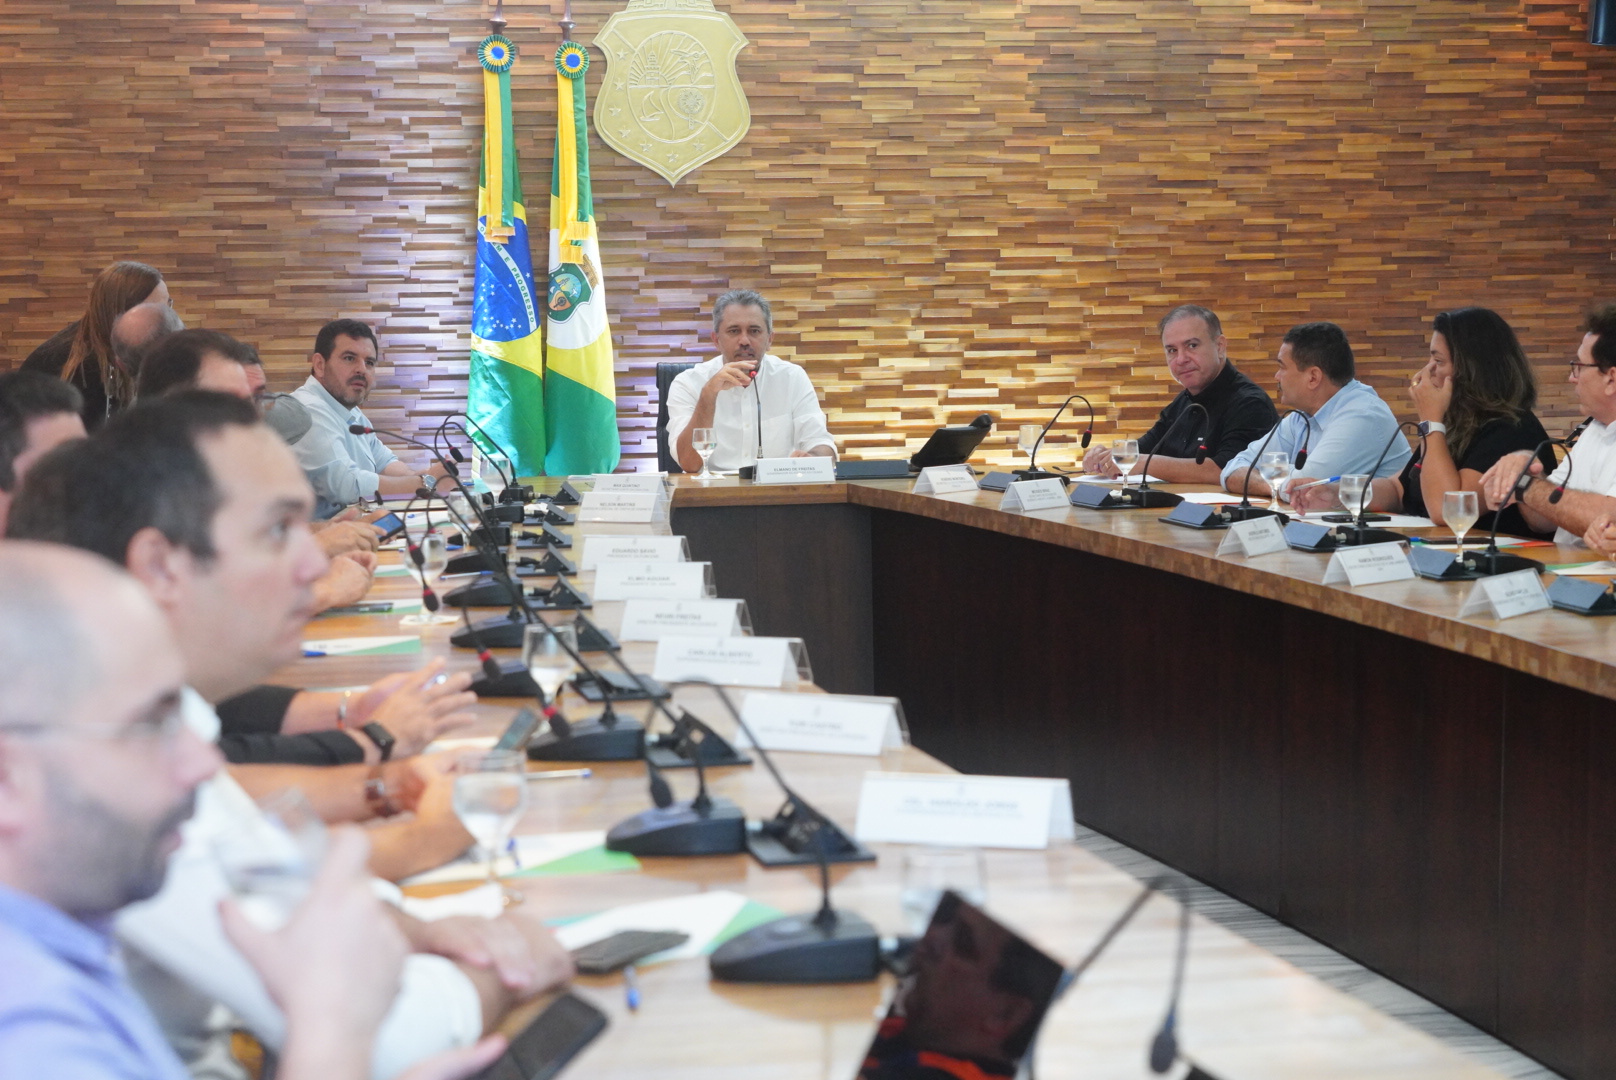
(1345,518)
(545,1046)
(390,524)
(624,948)
(520,732)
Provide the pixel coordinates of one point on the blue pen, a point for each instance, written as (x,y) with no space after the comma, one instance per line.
(1316,483)
(310,652)
(631,988)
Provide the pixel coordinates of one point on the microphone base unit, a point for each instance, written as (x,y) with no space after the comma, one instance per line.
(714,751)
(1359,536)
(770,844)
(1148,498)
(1232,514)
(801,949)
(621,686)
(681,829)
(508,513)
(591,740)
(1038,474)
(566,496)
(1434,565)
(550,515)
(1188,515)
(1095,497)
(1492,563)
(1311,536)
(1581,596)
(500,632)
(997,481)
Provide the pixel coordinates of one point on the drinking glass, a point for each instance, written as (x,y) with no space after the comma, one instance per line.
(1125,452)
(1460,510)
(1027,439)
(928,872)
(490,794)
(546,657)
(1275,467)
(434,551)
(705,440)
(1354,494)
(494,469)
(270,859)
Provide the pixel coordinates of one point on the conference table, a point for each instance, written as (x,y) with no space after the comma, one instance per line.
(1332,756)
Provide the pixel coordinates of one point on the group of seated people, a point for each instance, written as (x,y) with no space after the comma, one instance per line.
(170,528)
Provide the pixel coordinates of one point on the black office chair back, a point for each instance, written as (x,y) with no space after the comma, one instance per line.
(666,372)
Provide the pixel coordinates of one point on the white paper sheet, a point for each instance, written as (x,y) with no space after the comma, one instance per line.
(530,850)
(701,915)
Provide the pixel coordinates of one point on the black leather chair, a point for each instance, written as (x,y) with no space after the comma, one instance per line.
(666,372)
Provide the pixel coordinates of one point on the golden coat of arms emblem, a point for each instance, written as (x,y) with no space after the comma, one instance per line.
(671,99)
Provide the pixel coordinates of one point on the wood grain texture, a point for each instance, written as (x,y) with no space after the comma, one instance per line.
(956,206)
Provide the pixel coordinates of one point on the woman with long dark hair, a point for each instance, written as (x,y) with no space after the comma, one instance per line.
(1474,398)
(82,354)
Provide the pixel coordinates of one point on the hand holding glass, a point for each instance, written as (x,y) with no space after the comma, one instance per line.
(1275,467)
(1460,509)
(270,859)
(704,440)
(490,794)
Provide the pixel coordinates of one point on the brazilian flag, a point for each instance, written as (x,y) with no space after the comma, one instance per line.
(580,391)
(506,392)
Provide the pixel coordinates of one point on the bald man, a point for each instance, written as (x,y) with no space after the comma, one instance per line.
(141,327)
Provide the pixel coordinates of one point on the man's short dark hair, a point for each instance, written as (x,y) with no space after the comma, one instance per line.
(745,298)
(1602,321)
(27,396)
(1192,311)
(326,339)
(142,469)
(1322,345)
(176,361)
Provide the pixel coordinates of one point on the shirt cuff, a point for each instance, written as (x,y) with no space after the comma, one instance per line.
(370,483)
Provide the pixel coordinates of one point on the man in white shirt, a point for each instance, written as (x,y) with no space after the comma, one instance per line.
(758,404)
(1586,479)
(343,467)
(220,538)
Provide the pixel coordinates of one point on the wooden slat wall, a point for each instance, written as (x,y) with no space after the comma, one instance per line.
(956,206)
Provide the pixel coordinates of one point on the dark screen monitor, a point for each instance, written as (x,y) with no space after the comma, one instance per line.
(952,445)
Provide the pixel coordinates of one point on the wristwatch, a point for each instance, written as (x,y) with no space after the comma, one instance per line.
(377,797)
(428,481)
(1432,427)
(381,737)
(1523,483)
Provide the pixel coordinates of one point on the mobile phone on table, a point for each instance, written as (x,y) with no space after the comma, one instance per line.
(624,948)
(542,1050)
(520,732)
(1344,518)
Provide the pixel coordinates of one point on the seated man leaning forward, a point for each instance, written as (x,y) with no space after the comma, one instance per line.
(1586,479)
(1238,410)
(343,467)
(1338,426)
(759,405)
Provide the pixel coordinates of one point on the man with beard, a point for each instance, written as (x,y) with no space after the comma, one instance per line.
(343,467)
(760,405)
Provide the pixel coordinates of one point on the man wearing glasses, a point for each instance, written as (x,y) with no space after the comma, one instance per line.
(1586,479)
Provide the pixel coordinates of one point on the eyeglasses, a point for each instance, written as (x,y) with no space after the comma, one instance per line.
(1575,364)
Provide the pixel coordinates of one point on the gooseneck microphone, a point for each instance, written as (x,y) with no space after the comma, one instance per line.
(828,946)
(362,429)
(1491,561)
(1143,496)
(1245,511)
(1032,471)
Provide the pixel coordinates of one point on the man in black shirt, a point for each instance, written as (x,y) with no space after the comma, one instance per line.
(1239,409)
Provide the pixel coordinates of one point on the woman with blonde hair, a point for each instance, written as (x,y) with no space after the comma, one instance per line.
(83,354)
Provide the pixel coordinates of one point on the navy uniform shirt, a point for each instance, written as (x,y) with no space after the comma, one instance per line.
(1239,409)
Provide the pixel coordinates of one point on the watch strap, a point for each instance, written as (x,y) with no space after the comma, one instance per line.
(381,737)
(377,796)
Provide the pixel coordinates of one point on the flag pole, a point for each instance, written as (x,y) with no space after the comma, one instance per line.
(566,20)
(497,23)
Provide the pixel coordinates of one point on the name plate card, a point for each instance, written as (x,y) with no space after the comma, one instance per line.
(621,580)
(599,549)
(822,723)
(653,482)
(943,479)
(641,506)
(652,620)
(1506,595)
(730,661)
(1047,494)
(813,469)
(1253,537)
(1370,564)
(964,811)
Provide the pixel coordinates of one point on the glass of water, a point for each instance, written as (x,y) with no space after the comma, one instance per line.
(544,652)
(705,440)
(1275,467)
(928,872)
(1354,494)
(1460,509)
(434,552)
(490,794)
(1027,438)
(1125,452)
(269,860)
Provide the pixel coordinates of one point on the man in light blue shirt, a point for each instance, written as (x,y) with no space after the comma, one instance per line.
(1342,424)
(343,467)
